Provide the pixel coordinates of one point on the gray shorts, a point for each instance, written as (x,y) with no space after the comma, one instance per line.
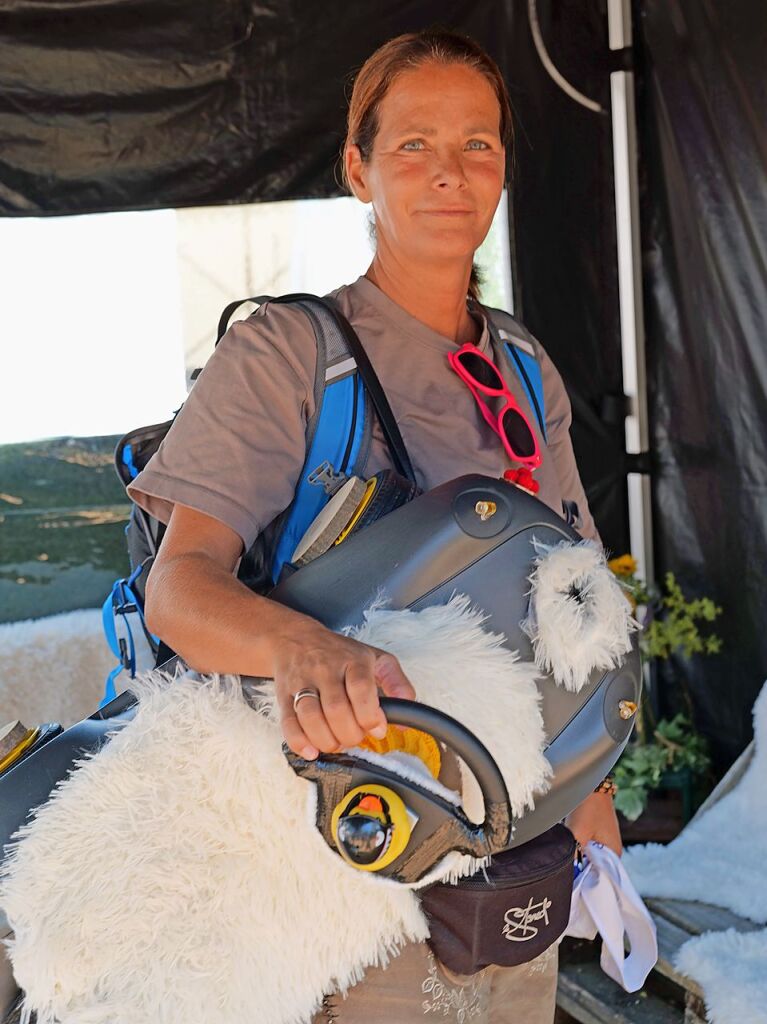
(417,987)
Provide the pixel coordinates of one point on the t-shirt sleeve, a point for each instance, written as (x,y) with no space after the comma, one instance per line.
(237,447)
(559,445)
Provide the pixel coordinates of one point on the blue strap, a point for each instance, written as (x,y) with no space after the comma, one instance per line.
(110,691)
(125,652)
(127,457)
(121,597)
(330,440)
(529,372)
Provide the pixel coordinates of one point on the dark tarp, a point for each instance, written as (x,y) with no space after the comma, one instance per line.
(566,278)
(704,226)
(144,104)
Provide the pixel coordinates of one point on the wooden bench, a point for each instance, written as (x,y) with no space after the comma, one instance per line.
(586,994)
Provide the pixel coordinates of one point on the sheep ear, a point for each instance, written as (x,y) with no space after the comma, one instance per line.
(579,619)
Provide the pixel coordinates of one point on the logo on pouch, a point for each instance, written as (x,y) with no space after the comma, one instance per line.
(519,925)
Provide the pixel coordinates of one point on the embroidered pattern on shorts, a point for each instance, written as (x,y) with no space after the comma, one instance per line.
(460,1004)
(541,963)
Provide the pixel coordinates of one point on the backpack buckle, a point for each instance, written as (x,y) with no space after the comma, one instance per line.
(326,477)
(121,603)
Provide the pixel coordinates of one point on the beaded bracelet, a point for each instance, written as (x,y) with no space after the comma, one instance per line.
(607,785)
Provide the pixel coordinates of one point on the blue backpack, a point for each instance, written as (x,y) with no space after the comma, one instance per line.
(338,433)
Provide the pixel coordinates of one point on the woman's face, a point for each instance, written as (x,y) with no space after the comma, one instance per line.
(436,171)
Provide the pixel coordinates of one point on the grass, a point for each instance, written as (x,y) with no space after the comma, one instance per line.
(63,512)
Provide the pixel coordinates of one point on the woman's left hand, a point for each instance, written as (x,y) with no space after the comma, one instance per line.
(595,820)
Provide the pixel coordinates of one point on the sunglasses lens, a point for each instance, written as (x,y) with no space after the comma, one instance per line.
(518,434)
(483,372)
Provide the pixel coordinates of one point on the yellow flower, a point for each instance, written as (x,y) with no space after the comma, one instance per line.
(626,565)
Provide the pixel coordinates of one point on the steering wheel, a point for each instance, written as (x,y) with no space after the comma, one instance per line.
(379,821)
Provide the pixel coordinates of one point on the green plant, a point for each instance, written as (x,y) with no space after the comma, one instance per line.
(677,629)
(675,746)
(670,625)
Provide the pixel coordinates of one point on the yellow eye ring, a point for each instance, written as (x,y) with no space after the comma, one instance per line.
(400,825)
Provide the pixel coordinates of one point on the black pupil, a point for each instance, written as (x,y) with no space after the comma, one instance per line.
(518,434)
(481,371)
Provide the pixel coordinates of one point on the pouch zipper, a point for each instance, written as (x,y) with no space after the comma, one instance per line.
(478,881)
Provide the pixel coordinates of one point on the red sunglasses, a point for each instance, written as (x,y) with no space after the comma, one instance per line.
(482,377)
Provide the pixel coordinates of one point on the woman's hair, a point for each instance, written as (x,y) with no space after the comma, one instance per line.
(405,53)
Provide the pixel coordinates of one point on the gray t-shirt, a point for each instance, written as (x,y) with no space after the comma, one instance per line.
(237,448)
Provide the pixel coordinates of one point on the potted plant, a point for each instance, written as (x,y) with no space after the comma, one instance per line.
(666,754)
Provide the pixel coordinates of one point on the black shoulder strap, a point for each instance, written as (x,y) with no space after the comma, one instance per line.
(373,387)
(228,312)
(377,397)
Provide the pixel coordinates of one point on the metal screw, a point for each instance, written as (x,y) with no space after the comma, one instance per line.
(485,509)
(627,709)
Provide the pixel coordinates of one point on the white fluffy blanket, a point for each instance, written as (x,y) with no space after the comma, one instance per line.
(731,968)
(175,877)
(720,858)
(53,669)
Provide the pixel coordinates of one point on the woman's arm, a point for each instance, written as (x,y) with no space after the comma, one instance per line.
(198,607)
(595,819)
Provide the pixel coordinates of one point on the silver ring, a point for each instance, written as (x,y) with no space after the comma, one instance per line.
(303,693)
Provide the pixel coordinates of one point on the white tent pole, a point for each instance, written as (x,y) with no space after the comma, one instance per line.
(630,285)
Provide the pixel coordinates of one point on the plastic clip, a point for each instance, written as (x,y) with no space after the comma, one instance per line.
(325,476)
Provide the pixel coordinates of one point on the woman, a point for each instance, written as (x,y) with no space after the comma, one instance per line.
(428,130)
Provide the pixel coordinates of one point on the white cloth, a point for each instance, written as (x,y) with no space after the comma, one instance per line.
(605,901)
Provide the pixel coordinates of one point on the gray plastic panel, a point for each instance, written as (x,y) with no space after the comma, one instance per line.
(417,556)
(437,546)
(421,547)
(583,752)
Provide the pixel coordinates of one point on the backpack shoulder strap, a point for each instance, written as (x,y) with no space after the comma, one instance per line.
(339,431)
(336,365)
(522,352)
(346,392)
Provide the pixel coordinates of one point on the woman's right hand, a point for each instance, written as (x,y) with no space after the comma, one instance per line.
(346,675)
(217,625)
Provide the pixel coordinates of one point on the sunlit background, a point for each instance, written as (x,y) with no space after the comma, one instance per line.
(103,319)
(103,316)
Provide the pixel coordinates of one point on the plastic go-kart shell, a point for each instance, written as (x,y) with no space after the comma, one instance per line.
(438,545)
(440,826)
(418,555)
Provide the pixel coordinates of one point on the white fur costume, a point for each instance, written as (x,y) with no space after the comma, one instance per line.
(175,876)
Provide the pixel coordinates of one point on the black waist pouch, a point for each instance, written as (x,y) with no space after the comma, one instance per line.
(508,914)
